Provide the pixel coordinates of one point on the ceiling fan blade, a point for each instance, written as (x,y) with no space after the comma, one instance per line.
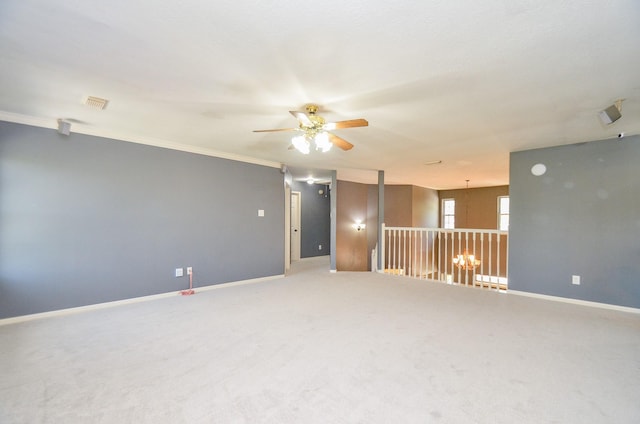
(276,130)
(302,117)
(351,123)
(340,142)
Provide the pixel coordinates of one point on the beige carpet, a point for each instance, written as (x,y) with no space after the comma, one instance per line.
(316,347)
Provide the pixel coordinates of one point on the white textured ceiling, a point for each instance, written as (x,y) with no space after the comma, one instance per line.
(462,81)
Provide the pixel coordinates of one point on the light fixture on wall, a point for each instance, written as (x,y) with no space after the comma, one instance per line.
(465,260)
(358,225)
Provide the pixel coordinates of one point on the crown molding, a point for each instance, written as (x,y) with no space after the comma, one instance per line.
(149,141)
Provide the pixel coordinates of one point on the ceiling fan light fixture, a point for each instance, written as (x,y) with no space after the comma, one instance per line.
(322,142)
(314,129)
(301,144)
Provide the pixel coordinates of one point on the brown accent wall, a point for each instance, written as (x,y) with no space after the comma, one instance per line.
(372,221)
(482,206)
(425,207)
(411,206)
(482,213)
(405,206)
(398,204)
(351,245)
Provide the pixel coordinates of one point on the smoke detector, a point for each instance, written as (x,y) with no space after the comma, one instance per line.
(96,102)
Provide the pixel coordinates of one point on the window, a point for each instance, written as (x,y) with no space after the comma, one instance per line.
(448,213)
(503,213)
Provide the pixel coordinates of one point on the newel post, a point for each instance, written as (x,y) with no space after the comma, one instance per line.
(381,253)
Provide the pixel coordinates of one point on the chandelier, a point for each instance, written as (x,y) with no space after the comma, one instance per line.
(466,261)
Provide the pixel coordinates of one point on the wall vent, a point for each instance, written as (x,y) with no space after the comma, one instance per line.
(96,102)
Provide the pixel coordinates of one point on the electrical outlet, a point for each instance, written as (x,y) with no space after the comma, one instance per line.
(189,270)
(179,272)
(575,279)
(319,247)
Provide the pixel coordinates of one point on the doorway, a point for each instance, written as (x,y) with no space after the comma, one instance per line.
(295,225)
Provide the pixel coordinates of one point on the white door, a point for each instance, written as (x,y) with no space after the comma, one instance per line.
(295,225)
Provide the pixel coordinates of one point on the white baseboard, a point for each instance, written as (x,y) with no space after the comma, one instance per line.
(79,309)
(576,301)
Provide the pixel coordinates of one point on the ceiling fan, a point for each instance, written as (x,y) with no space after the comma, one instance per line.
(315,128)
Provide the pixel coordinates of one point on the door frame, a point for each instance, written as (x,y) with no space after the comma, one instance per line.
(287,226)
(296,197)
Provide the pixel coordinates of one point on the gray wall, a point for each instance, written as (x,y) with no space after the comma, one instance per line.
(580,218)
(316,220)
(85,220)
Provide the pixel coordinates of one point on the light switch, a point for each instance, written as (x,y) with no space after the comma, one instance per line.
(179,272)
(260,212)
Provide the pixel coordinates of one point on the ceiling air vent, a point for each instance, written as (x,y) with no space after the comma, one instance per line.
(96,102)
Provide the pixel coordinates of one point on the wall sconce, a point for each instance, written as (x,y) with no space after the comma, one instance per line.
(359,225)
